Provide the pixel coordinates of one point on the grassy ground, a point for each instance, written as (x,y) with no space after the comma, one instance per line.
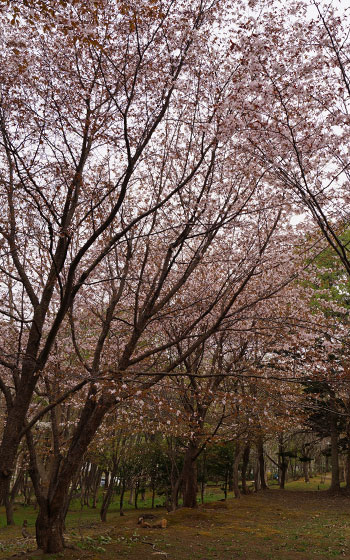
(297,523)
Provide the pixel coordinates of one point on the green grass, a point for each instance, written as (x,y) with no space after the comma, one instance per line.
(316,484)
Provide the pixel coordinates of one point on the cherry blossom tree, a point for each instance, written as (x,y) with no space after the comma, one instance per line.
(150,167)
(126,198)
(296,105)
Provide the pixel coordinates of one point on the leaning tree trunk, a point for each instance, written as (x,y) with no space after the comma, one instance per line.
(52,510)
(109,493)
(10,498)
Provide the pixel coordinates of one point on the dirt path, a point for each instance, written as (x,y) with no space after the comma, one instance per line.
(275,524)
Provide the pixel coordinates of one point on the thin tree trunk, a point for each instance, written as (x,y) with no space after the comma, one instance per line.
(261,460)
(347,473)
(121,499)
(11,498)
(131,496)
(335,483)
(96,483)
(257,485)
(109,493)
(245,464)
(204,476)
(306,471)
(283,468)
(175,494)
(136,494)
(235,474)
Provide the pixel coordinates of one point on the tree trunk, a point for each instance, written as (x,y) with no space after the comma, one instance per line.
(175,481)
(230,480)
(106,479)
(306,471)
(246,454)
(121,499)
(175,494)
(49,531)
(53,508)
(189,477)
(257,484)
(335,483)
(9,511)
(282,462)
(109,493)
(227,476)
(131,496)
(347,470)
(261,460)
(136,494)
(10,498)
(283,468)
(204,476)
(10,438)
(235,474)
(96,483)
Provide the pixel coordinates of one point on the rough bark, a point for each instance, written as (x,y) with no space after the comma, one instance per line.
(53,506)
(11,434)
(49,531)
(189,477)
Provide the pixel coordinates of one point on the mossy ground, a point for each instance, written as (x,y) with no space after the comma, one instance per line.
(299,523)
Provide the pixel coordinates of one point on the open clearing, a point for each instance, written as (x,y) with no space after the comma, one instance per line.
(273,524)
